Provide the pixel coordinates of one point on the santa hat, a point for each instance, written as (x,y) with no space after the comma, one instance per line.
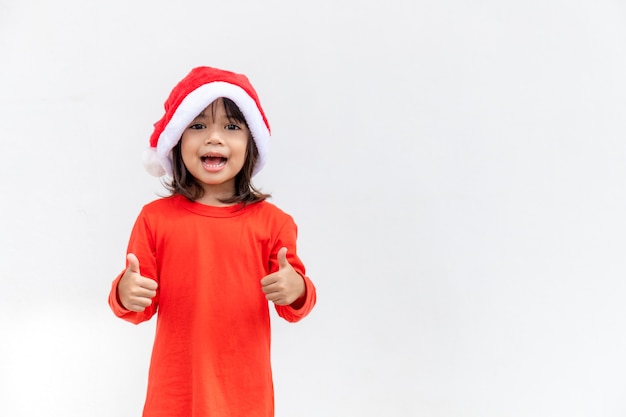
(190,96)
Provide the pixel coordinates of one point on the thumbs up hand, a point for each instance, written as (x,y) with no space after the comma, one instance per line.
(135,292)
(284,286)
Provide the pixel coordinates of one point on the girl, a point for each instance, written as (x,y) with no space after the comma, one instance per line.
(210,256)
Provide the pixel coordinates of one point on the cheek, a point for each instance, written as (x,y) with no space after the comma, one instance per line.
(187,149)
(190,141)
(240,147)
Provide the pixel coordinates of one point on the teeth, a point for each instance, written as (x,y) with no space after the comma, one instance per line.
(213,161)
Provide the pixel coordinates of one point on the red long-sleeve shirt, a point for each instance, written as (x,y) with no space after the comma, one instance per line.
(211,353)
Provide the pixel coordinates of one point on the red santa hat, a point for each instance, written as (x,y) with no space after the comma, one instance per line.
(190,96)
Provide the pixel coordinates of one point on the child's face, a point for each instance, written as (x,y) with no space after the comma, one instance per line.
(213,149)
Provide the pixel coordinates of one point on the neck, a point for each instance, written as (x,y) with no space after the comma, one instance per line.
(211,200)
(213,194)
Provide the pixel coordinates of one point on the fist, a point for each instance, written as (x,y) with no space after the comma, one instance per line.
(284,286)
(134,291)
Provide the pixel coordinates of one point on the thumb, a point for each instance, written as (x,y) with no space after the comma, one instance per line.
(282,258)
(133,263)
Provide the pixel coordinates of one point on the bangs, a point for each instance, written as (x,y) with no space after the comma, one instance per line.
(232,111)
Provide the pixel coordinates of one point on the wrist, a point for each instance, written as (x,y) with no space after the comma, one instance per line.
(300,300)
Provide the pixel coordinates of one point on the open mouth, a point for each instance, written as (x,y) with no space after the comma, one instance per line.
(213,160)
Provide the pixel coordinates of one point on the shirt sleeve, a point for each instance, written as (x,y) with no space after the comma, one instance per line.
(293,315)
(141,243)
(287,237)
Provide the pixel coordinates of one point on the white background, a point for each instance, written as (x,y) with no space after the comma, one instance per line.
(457,171)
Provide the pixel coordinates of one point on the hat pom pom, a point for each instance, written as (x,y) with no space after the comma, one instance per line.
(151,163)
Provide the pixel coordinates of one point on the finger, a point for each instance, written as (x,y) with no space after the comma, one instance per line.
(148,284)
(277,299)
(267,284)
(282,258)
(273,296)
(143,292)
(140,304)
(133,263)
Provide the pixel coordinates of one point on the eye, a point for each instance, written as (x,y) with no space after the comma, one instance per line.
(196,126)
(232,126)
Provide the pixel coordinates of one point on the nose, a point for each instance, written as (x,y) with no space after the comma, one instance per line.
(213,137)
